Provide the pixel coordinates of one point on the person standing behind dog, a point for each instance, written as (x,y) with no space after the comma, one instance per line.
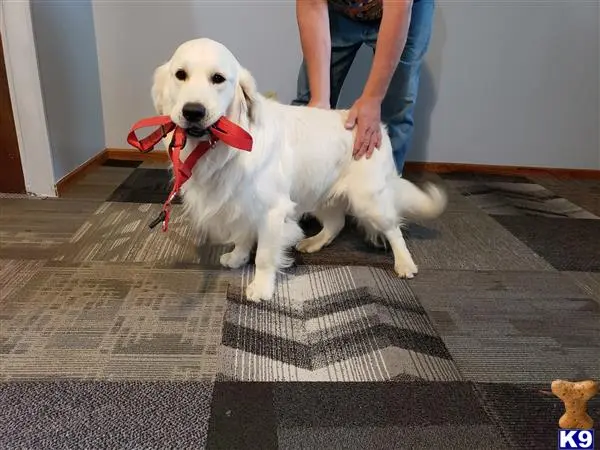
(398,31)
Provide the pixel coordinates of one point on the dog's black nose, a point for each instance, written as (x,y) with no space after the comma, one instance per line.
(193,112)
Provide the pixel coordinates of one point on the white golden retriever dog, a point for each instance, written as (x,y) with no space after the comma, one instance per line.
(301,163)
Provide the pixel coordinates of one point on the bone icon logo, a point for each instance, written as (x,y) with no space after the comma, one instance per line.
(576,425)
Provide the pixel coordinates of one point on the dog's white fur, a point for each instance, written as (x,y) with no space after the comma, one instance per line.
(301,162)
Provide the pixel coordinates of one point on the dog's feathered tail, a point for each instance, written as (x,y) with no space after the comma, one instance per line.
(414,203)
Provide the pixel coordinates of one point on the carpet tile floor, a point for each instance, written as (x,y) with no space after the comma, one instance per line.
(116,336)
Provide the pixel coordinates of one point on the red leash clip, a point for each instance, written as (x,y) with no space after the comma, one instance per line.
(223,130)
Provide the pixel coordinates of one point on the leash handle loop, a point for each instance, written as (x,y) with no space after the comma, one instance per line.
(145,145)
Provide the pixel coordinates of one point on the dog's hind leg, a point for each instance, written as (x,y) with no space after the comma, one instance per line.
(404,265)
(378,213)
(332,218)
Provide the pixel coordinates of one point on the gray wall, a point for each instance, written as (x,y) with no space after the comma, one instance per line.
(504,82)
(513,83)
(68,64)
(134,37)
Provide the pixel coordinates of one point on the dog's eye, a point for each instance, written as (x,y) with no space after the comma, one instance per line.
(181,75)
(217,78)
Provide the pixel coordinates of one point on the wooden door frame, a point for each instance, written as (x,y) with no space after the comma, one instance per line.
(11,170)
(26,96)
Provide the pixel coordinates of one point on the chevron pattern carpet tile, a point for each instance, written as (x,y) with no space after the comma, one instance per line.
(333,324)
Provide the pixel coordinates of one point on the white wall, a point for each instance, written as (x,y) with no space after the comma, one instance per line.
(68,67)
(513,83)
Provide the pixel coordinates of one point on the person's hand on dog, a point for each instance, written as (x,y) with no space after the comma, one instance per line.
(365,114)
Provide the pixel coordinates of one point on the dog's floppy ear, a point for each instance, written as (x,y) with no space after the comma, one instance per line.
(159,87)
(250,93)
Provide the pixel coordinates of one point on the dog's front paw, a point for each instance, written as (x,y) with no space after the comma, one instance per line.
(406,269)
(234,260)
(257,291)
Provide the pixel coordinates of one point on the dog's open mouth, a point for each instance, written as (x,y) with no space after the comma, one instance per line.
(195,131)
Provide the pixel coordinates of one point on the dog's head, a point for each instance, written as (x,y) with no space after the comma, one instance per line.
(202,82)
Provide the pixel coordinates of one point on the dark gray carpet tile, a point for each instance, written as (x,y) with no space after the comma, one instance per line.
(144,186)
(349,248)
(36,228)
(383,415)
(332,324)
(383,404)
(518,327)
(349,415)
(104,415)
(121,163)
(527,413)
(568,245)
(484,177)
(392,437)
(113,322)
(243,416)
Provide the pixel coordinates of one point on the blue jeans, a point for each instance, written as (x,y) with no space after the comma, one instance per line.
(397,109)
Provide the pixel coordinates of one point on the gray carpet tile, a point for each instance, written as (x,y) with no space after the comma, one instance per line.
(514,327)
(36,228)
(15,273)
(118,232)
(585,193)
(99,183)
(332,324)
(527,414)
(568,245)
(589,282)
(455,241)
(113,322)
(104,415)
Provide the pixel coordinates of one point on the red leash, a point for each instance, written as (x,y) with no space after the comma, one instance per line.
(223,130)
